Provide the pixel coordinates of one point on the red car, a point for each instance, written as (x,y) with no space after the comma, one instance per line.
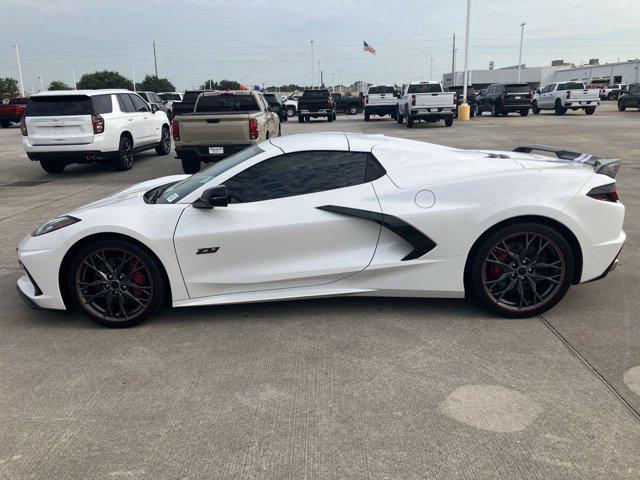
(12,111)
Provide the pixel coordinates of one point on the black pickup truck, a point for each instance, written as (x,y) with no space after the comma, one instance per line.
(471,98)
(316,103)
(347,103)
(187,104)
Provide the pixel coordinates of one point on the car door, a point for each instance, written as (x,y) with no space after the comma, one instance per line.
(273,235)
(149,131)
(131,118)
(546,95)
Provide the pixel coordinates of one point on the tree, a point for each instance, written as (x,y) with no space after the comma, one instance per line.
(104,79)
(151,83)
(8,87)
(58,85)
(221,85)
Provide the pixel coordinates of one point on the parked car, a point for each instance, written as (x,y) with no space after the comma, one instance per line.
(348,104)
(630,98)
(563,96)
(291,104)
(315,104)
(425,101)
(222,123)
(12,111)
(170,97)
(187,103)
(276,103)
(80,126)
(613,91)
(330,214)
(381,100)
(153,98)
(502,99)
(471,98)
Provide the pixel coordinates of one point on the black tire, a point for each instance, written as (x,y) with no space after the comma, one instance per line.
(472,113)
(307,119)
(366,116)
(353,110)
(280,130)
(399,117)
(5,124)
(409,121)
(52,166)
(495,111)
(524,112)
(611,96)
(621,107)
(590,110)
(559,109)
(191,165)
(300,119)
(448,121)
(479,113)
(492,269)
(330,118)
(124,158)
(116,283)
(291,112)
(534,108)
(164,147)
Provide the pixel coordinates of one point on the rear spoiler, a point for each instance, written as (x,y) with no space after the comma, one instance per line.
(604,166)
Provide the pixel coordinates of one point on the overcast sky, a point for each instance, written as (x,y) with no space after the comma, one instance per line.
(268,41)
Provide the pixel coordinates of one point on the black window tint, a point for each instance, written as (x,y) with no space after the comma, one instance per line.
(139,104)
(516,88)
(297,174)
(144,95)
(59,105)
(18,101)
(316,94)
(126,105)
(381,89)
(373,170)
(102,104)
(227,103)
(191,95)
(425,88)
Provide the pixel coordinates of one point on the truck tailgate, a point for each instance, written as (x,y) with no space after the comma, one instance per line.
(586,95)
(216,129)
(380,99)
(435,100)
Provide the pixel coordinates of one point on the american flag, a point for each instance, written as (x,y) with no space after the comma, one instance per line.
(368,48)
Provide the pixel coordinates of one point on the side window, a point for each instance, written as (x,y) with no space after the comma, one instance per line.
(298,174)
(102,104)
(156,98)
(562,87)
(139,104)
(126,105)
(634,89)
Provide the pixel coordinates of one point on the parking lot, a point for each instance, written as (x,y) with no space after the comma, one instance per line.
(360,388)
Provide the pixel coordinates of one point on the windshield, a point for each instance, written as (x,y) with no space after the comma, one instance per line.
(425,88)
(227,103)
(571,86)
(315,94)
(515,88)
(188,185)
(59,105)
(381,89)
(169,96)
(191,96)
(272,100)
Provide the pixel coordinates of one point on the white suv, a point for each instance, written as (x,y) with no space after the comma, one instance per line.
(80,126)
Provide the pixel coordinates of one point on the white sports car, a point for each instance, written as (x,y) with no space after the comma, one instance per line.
(330,214)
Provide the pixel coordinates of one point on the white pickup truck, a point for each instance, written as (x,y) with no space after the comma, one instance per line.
(562,96)
(380,100)
(426,101)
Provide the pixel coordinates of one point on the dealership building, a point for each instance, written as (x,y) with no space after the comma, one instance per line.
(620,72)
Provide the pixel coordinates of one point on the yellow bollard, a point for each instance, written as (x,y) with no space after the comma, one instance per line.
(464,111)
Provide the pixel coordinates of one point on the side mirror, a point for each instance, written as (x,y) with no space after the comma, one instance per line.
(213,197)
(538,91)
(154,108)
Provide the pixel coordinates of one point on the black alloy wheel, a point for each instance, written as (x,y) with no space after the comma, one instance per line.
(124,157)
(116,284)
(164,147)
(523,270)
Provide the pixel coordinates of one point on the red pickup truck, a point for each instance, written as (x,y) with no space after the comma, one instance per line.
(12,111)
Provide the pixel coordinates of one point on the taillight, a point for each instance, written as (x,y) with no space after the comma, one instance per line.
(175,130)
(607,193)
(366,100)
(23,127)
(98,123)
(413,100)
(329,103)
(253,129)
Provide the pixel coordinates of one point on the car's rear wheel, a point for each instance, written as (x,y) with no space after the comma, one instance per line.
(621,106)
(124,157)
(524,112)
(448,121)
(399,116)
(116,283)
(590,110)
(495,111)
(164,147)
(559,109)
(191,165)
(534,108)
(52,166)
(366,116)
(300,119)
(353,110)
(330,118)
(522,270)
(409,121)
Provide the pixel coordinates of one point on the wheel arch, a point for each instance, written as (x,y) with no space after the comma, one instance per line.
(127,133)
(65,265)
(562,229)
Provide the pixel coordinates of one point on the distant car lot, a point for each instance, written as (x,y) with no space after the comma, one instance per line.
(339,388)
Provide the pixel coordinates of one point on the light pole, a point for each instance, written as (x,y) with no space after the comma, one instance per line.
(19,69)
(312,64)
(133,78)
(73,70)
(431,74)
(520,56)
(466,54)
(41,84)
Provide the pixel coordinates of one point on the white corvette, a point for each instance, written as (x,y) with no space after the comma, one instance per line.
(332,214)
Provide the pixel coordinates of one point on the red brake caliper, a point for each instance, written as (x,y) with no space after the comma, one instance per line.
(138,278)
(495,270)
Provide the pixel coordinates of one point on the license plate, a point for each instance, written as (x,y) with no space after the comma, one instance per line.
(517,98)
(216,150)
(433,109)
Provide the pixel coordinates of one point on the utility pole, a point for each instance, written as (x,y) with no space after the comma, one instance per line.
(520,57)
(431,74)
(466,53)
(320,72)
(41,84)
(133,78)
(155,59)
(75,85)
(312,64)
(453,61)
(333,82)
(19,69)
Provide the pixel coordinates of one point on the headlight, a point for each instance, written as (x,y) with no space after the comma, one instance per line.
(55,224)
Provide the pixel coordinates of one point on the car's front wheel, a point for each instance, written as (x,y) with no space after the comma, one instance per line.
(534,108)
(116,283)
(522,270)
(124,157)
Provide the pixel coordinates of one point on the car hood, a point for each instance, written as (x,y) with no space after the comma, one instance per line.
(134,191)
